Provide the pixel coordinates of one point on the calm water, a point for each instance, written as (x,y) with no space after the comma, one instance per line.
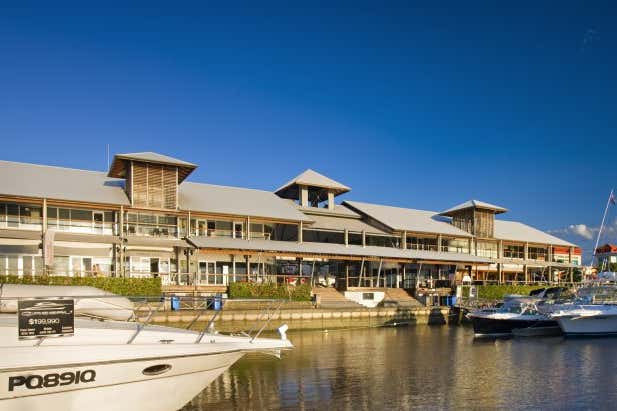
(420,368)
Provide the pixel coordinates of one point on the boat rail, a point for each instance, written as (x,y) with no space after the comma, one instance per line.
(146,307)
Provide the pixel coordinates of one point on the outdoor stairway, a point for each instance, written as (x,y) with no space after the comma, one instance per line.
(331,298)
(400,297)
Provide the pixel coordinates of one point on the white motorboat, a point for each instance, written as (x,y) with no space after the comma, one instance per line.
(587,320)
(517,312)
(114,365)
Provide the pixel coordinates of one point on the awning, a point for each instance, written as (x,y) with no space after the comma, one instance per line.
(330,250)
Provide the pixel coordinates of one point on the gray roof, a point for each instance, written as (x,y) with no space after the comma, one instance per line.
(474,204)
(209,198)
(339,210)
(120,164)
(407,219)
(58,183)
(515,231)
(336,223)
(152,157)
(312,178)
(330,249)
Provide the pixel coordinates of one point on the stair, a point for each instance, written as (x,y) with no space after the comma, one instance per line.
(400,297)
(331,298)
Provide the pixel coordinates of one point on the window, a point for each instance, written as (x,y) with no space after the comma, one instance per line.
(422,243)
(152,225)
(368,296)
(513,251)
(536,253)
(487,249)
(455,245)
(20,216)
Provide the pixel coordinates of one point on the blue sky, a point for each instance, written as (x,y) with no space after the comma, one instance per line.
(417,105)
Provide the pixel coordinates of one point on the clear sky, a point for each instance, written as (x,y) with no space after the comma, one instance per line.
(409,104)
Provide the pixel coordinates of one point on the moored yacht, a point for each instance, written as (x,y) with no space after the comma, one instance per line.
(515,313)
(109,364)
(587,320)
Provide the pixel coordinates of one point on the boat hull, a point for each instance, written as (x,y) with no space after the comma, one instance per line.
(120,385)
(599,325)
(494,327)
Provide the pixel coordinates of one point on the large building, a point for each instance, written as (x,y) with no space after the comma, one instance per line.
(142,218)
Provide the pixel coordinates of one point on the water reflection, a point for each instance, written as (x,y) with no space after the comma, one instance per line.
(420,368)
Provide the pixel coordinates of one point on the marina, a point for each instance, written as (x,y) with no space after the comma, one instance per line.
(291,206)
(434,368)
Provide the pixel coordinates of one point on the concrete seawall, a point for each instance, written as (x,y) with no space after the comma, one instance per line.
(311,318)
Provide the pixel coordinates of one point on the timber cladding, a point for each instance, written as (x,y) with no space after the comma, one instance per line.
(476,221)
(154,185)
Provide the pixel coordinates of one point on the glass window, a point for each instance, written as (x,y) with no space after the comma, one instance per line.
(13,264)
(65,213)
(2,215)
(12,215)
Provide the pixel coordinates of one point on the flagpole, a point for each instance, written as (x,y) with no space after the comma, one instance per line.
(608,202)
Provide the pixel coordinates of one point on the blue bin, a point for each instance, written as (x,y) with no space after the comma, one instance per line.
(218,303)
(175,303)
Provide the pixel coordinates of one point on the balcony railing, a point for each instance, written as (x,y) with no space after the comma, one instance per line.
(150,231)
(22,223)
(422,247)
(81,227)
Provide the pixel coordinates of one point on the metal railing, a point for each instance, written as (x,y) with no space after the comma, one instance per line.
(146,308)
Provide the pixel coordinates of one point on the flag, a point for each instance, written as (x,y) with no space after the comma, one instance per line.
(611,198)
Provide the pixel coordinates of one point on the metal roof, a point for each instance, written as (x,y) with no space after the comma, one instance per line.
(312,178)
(329,249)
(209,198)
(515,231)
(407,219)
(118,165)
(339,210)
(58,183)
(474,204)
(338,223)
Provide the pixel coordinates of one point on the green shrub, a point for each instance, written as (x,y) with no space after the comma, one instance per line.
(497,292)
(275,291)
(116,285)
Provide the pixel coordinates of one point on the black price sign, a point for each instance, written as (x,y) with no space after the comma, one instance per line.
(49,317)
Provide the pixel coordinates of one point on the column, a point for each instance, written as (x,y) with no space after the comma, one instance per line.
(346,237)
(363,238)
(526,273)
(248,267)
(248,228)
(120,271)
(303,191)
(439,241)
(300,228)
(469,245)
(526,251)
(404,240)
(330,200)
(44,231)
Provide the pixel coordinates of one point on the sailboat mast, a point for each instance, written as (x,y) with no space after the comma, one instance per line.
(608,202)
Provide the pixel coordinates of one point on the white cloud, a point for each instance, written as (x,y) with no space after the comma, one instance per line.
(581,230)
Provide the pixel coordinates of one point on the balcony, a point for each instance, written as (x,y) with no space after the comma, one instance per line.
(81,227)
(422,247)
(22,223)
(151,231)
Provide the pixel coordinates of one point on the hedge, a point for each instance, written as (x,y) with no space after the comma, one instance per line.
(116,285)
(301,292)
(497,292)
